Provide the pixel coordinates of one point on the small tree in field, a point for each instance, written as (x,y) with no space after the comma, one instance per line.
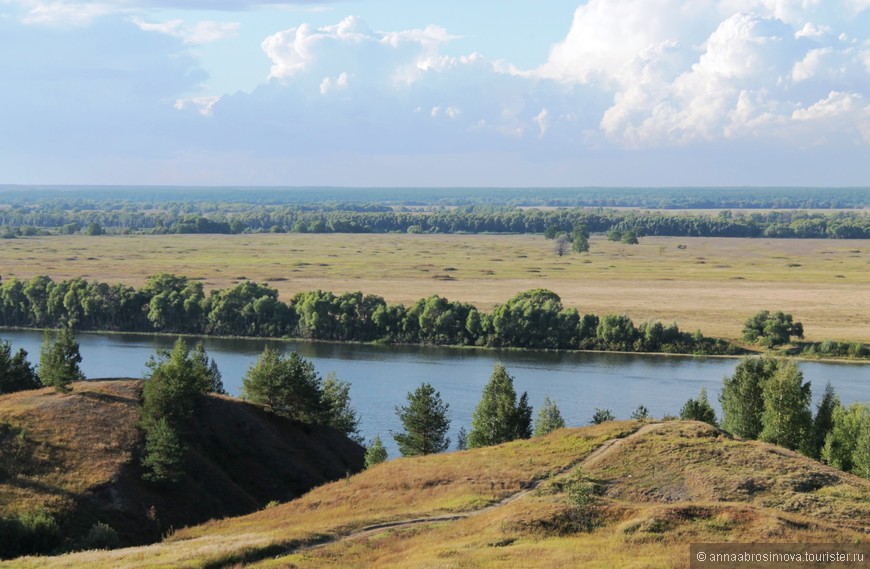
(602,416)
(580,239)
(375,453)
(699,410)
(499,417)
(549,418)
(640,414)
(425,420)
(59,360)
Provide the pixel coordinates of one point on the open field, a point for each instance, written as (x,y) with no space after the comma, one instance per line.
(711,284)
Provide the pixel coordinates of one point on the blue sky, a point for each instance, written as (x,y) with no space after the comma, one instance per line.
(390,93)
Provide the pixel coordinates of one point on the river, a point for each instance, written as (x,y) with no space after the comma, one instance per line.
(381,376)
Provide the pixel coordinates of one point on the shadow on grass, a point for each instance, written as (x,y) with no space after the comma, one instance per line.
(254,554)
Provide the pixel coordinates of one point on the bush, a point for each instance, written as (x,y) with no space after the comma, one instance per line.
(101,536)
(602,416)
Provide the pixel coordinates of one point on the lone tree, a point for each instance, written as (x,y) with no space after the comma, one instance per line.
(59,360)
(16,373)
(787,420)
(499,417)
(375,453)
(425,420)
(771,330)
(602,416)
(699,410)
(549,418)
(580,239)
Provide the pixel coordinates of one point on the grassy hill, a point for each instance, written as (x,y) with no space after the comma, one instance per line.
(75,457)
(620,494)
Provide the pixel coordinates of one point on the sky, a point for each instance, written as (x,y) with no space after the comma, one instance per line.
(450,93)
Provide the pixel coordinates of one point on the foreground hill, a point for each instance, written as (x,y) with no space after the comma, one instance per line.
(620,494)
(76,457)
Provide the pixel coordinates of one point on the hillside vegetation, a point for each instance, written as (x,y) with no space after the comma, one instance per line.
(619,494)
(75,457)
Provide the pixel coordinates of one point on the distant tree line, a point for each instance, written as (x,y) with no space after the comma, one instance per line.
(123,197)
(24,220)
(533,319)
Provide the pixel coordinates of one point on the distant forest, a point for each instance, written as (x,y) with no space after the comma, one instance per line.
(53,211)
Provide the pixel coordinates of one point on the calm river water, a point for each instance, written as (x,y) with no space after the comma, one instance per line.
(381,376)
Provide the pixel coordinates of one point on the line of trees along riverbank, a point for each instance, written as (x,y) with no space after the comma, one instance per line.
(175,304)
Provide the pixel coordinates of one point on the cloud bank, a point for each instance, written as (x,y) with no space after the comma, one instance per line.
(637,92)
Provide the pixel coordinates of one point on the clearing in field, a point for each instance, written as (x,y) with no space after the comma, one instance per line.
(711,284)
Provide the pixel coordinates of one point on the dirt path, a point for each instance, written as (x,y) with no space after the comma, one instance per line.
(592,459)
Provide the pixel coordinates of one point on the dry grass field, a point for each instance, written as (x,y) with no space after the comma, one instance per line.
(709,284)
(655,488)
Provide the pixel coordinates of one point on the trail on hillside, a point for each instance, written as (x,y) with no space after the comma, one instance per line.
(606,448)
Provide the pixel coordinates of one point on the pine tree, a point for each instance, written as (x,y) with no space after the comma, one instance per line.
(337,410)
(288,385)
(16,373)
(549,418)
(425,420)
(59,360)
(823,421)
(699,410)
(602,416)
(787,420)
(640,414)
(375,453)
(164,454)
(499,417)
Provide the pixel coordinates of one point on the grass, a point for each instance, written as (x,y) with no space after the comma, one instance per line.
(712,284)
(81,461)
(656,490)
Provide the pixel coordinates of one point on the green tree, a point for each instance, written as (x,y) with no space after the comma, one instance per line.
(174,381)
(742,396)
(771,330)
(842,441)
(164,454)
(462,439)
(602,416)
(499,417)
(16,373)
(59,360)
(173,384)
(580,239)
(823,422)
(337,410)
(640,414)
(375,453)
(699,410)
(787,420)
(287,385)
(549,418)
(861,456)
(425,420)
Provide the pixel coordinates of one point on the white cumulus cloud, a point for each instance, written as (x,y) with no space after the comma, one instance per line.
(203,32)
